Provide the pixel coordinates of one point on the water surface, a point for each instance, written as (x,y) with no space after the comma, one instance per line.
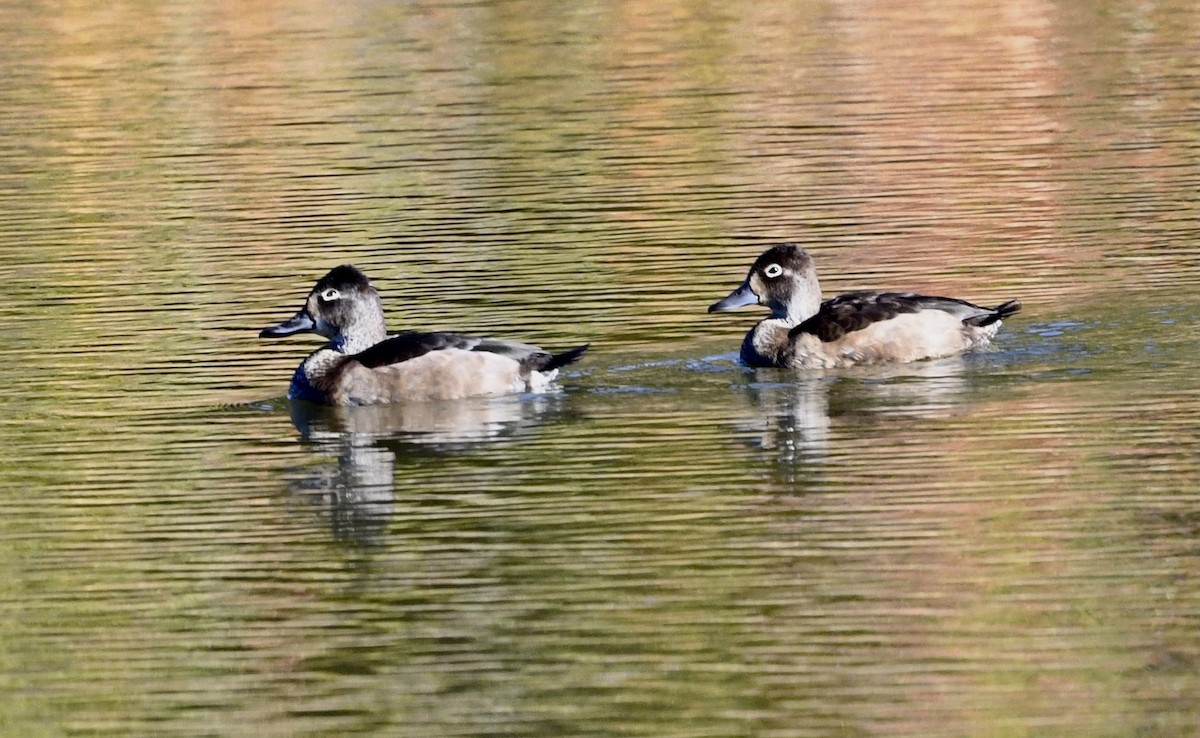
(674,544)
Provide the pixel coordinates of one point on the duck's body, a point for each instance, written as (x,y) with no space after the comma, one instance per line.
(424,366)
(855,328)
(362,365)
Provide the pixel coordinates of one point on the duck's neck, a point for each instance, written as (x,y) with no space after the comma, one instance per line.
(360,336)
(802,304)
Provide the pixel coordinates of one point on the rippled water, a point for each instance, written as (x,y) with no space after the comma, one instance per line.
(674,545)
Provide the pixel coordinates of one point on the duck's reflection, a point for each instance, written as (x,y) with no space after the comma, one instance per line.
(796,416)
(792,418)
(357,490)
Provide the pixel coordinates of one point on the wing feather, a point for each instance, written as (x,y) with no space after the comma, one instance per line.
(407,346)
(854,311)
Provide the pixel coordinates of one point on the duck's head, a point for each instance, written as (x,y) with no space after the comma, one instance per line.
(784,279)
(343,307)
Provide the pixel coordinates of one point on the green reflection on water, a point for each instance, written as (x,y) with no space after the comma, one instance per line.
(675,546)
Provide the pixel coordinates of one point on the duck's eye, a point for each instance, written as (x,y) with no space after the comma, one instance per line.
(330,295)
(773,270)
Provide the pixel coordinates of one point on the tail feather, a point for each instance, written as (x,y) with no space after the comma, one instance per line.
(545,362)
(1008,308)
(996,314)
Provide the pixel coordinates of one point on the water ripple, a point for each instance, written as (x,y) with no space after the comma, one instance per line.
(673,544)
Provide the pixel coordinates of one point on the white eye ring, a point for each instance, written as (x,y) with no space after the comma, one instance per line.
(773,270)
(330,295)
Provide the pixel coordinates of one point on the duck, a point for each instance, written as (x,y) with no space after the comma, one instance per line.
(869,327)
(363,365)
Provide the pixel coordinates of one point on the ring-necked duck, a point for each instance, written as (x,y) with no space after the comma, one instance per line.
(362,365)
(854,328)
